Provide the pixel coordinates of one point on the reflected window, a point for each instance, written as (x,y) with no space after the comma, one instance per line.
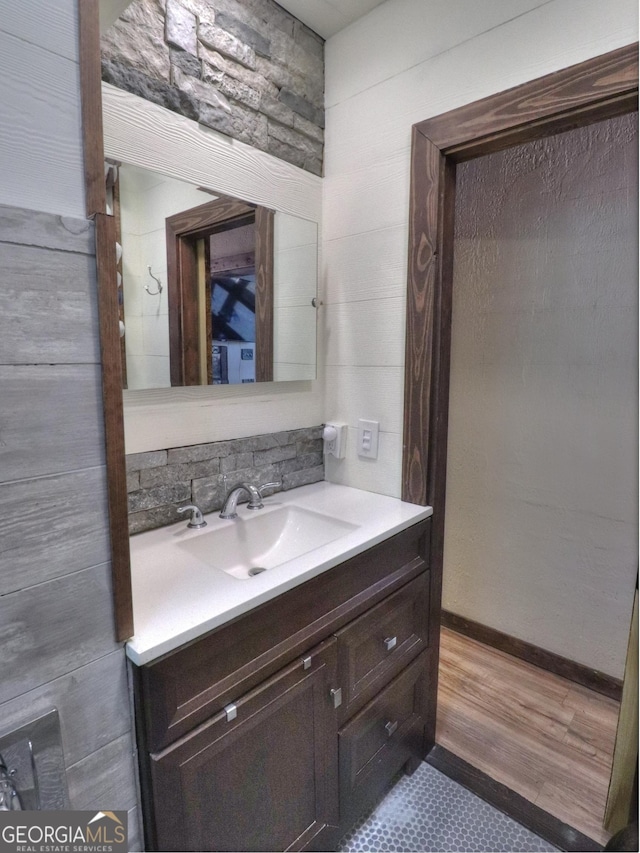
(233,323)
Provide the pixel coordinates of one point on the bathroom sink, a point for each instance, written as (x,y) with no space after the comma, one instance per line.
(256,542)
(188,582)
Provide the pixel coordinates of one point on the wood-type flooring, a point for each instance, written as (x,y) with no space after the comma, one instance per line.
(546,738)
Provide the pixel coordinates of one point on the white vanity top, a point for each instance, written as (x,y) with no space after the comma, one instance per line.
(178,596)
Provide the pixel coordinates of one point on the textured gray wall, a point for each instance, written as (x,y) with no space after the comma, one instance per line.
(245,68)
(542,509)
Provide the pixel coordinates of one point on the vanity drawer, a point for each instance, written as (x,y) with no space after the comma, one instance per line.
(375,647)
(381,738)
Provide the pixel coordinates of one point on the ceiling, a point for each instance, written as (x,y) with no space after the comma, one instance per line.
(325,17)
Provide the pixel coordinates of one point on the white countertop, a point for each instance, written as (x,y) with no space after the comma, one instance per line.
(177,597)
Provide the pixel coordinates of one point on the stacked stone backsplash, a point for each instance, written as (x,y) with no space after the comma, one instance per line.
(246,68)
(160,481)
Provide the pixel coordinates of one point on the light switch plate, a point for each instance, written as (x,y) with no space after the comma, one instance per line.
(368,438)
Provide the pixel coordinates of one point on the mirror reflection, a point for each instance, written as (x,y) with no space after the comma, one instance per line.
(213,290)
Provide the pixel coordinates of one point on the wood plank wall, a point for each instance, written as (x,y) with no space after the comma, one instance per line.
(40,130)
(57,642)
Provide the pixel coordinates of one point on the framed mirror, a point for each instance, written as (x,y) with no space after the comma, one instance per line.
(214,290)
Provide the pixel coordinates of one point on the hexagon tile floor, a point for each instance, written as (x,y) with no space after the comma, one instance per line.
(430,812)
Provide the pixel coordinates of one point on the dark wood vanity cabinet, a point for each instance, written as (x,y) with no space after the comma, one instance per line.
(265,780)
(277,730)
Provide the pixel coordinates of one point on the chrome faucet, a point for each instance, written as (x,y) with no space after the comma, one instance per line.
(255,498)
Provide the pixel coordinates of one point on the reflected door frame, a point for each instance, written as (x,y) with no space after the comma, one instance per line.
(183,231)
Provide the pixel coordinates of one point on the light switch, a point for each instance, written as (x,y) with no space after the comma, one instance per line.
(368,438)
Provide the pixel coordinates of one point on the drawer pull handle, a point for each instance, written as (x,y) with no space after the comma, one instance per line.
(390,728)
(336,695)
(390,643)
(231,711)
(306,662)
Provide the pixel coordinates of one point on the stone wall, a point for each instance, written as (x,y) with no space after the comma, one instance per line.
(160,481)
(246,68)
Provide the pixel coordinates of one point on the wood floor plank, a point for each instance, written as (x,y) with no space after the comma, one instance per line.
(580,697)
(564,803)
(525,757)
(485,661)
(501,692)
(458,732)
(594,735)
(546,738)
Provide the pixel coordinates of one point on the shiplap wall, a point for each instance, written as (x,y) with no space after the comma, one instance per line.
(57,634)
(147,135)
(404,62)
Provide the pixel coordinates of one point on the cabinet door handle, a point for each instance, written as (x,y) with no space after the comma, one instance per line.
(336,695)
(391,727)
(390,643)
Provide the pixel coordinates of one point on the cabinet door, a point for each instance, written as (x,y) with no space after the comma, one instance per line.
(265,780)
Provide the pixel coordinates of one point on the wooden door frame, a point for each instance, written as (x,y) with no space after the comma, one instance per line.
(591,91)
(183,230)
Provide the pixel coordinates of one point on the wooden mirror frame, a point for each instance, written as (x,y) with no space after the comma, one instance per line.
(110,349)
(600,88)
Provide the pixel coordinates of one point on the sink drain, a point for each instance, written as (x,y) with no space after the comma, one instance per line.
(256,571)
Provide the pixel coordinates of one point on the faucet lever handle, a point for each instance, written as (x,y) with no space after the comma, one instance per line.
(269,486)
(256,500)
(196,519)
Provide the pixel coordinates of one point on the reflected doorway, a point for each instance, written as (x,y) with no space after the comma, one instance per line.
(220,282)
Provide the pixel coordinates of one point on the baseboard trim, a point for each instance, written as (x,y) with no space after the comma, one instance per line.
(508,802)
(573,671)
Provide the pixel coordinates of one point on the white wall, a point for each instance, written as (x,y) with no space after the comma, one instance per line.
(149,136)
(406,61)
(542,510)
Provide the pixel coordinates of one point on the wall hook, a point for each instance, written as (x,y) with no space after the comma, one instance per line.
(157,280)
